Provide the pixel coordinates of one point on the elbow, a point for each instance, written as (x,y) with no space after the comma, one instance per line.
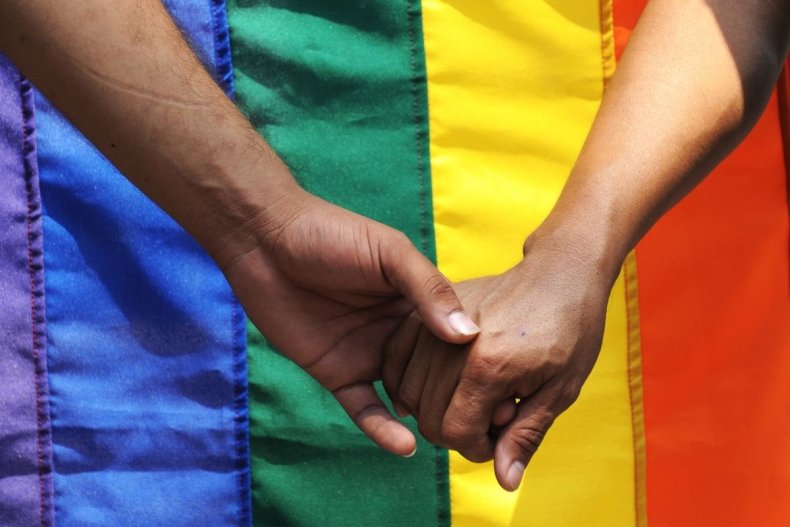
(760,69)
(759,74)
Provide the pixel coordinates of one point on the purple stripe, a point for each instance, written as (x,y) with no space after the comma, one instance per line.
(25,449)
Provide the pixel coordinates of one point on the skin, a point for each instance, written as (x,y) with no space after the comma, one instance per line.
(325,285)
(694,79)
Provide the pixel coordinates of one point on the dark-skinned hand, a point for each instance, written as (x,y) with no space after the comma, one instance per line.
(541,328)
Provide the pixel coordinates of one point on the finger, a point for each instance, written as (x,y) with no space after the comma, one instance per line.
(397,352)
(504,413)
(520,440)
(431,293)
(355,357)
(466,423)
(446,364)
(366,409)
(413,382)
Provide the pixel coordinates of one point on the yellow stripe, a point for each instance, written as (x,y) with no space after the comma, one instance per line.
(513,87)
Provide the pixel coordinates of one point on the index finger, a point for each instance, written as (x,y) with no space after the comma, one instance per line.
(468,418)
(366,409)
(397,352)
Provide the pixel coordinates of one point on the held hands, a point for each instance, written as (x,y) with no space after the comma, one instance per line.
(352,301)
(542,324)
(327,287)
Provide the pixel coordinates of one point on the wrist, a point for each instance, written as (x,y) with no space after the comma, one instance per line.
(595,222)
(592,251)
(244,204)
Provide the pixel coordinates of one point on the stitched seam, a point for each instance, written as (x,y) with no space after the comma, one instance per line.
(440,455)
(635,389)
(418,135)
(240,411)
(608,61)
(223,62)
(628,347)
(36,308)
(224,73)
(33,318)
(633,348)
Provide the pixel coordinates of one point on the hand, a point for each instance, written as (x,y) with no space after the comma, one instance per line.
(327,287)
(542,324)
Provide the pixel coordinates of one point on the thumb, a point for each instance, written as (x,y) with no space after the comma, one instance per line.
(431,293)
(520,440)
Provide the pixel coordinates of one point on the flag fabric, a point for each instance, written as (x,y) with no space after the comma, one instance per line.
(134,392)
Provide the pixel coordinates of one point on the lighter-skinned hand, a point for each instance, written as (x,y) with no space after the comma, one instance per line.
(327,287)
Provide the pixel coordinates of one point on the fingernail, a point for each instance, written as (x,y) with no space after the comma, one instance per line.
(462,324)
(412,452)
(514,474)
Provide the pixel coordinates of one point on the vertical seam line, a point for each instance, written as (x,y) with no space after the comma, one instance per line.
(223,62)
(636,390)
(413,11)
(633,337)
(418,139)
(223,67)
(35,269)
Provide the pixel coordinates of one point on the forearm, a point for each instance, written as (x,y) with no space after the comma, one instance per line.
(123,74)
(694,79)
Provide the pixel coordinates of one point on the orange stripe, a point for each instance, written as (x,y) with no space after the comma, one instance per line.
(715,305)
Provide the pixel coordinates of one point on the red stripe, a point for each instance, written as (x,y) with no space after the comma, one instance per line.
(715,312)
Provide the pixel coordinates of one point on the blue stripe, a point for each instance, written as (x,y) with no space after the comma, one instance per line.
(146,354)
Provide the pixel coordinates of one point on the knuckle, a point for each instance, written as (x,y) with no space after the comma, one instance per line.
(438,287)
(391,351)
(400,238)
(397,243)
(428,431)
(487,368)
(456,436)
(554,353)
(528,439)
(476,454)
(528,434)
(452,435)
(477,451)
(555,359)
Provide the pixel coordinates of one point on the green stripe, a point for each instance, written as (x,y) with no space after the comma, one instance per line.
(338,88)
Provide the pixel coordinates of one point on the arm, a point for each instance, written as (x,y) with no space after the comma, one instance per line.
(692,82)
(694,79)
(326,286)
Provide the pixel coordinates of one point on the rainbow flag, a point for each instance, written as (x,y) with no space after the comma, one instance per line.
(134,392)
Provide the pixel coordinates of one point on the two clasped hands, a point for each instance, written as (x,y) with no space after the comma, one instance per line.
(485,366)
(353,301)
